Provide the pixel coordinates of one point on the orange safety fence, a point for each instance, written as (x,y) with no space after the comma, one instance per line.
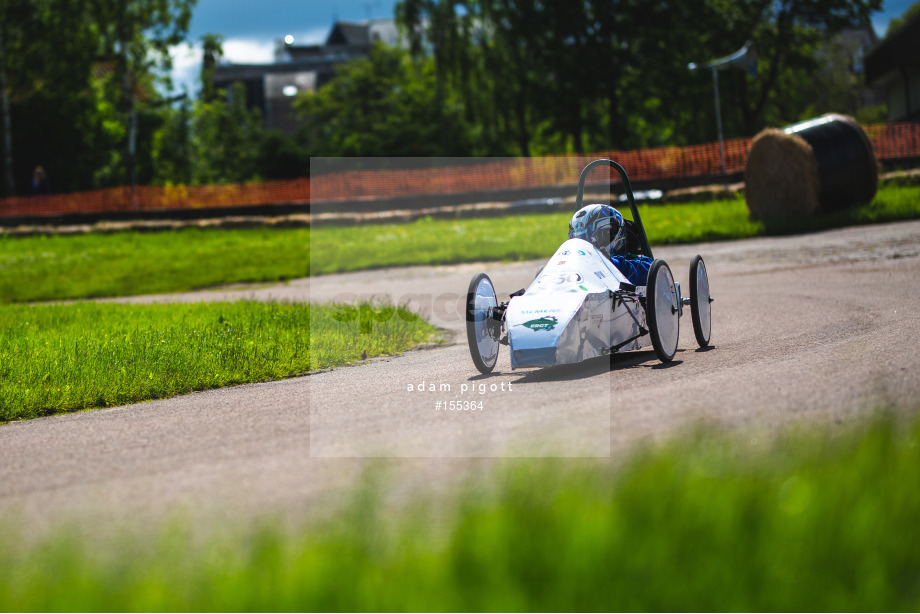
(158,198)
(891,142)
(517,173)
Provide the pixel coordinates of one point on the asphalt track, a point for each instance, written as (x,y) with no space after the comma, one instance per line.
(811,329)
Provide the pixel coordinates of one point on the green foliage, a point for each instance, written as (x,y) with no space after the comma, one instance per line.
(897,22)
(892,203)
(56,358)
(81,77)
(559,76)
(55,115)
(225,138)
(282,156)
(824,521)
(217,139)
(171,147)
(383,105)
(485,77)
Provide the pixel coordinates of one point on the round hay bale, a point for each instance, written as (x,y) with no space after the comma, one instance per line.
(781,176)
(847,167)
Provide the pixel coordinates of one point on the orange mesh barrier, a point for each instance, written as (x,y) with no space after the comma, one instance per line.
(895,141)
(158,198)
(891,142)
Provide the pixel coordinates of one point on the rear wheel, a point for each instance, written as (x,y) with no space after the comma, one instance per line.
(700,301)
(662,311)
(482,331)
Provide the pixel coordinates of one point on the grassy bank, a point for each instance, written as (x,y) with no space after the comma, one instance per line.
(129,263)
(57,358)
(808,523)
(48,268)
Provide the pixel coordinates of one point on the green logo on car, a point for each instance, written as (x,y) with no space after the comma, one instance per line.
(545,323)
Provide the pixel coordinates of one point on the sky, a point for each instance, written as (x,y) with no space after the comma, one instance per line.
(250,28)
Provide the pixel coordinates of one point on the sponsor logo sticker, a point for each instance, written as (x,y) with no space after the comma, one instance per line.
(544,323)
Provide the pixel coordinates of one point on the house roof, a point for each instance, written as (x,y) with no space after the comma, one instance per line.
(345,33)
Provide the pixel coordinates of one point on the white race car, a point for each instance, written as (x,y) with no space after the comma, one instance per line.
(581,306)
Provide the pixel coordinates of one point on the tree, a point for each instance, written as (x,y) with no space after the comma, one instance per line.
(212,50)
(786,35)
(225,138)
(216,138)
(136,35)
(382,105)
(897,22)
(9,182)
(476,67)
(79,81)
(209,142)
(171,146)
(564,75)
(48,51)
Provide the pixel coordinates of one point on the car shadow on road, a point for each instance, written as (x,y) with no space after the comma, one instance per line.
(587,368)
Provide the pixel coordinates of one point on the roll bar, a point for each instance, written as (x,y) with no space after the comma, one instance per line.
(629,195)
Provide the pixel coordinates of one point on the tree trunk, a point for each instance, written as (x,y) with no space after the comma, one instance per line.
(128,99)
(9,182)
(439,96)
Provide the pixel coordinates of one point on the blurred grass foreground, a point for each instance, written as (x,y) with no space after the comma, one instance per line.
(805,522)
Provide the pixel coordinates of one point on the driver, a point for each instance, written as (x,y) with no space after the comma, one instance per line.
(603,226)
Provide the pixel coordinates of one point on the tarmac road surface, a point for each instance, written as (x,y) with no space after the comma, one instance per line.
(810,329)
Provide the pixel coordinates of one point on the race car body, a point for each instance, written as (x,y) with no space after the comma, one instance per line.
(580,306)
(576,308)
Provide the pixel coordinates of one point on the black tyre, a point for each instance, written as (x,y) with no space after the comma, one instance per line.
(662,311)
(700,301)
(482,332)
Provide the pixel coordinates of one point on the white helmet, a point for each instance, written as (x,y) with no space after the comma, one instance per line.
(601,225)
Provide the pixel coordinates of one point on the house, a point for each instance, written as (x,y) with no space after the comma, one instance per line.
(894,64)
(272,88)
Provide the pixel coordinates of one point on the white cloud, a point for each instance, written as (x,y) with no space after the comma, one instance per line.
(249,51)
(186,66)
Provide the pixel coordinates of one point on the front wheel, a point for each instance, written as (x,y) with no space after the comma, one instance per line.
(662,310)
(482,331)
(700,301)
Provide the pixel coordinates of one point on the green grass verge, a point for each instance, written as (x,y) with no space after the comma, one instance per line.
(57,358)
(130,263)
(891,204)
(808,523)
(535,236)
(521,237)
(50,268)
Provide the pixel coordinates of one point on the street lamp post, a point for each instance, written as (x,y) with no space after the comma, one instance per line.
(715,86)
(743,55)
